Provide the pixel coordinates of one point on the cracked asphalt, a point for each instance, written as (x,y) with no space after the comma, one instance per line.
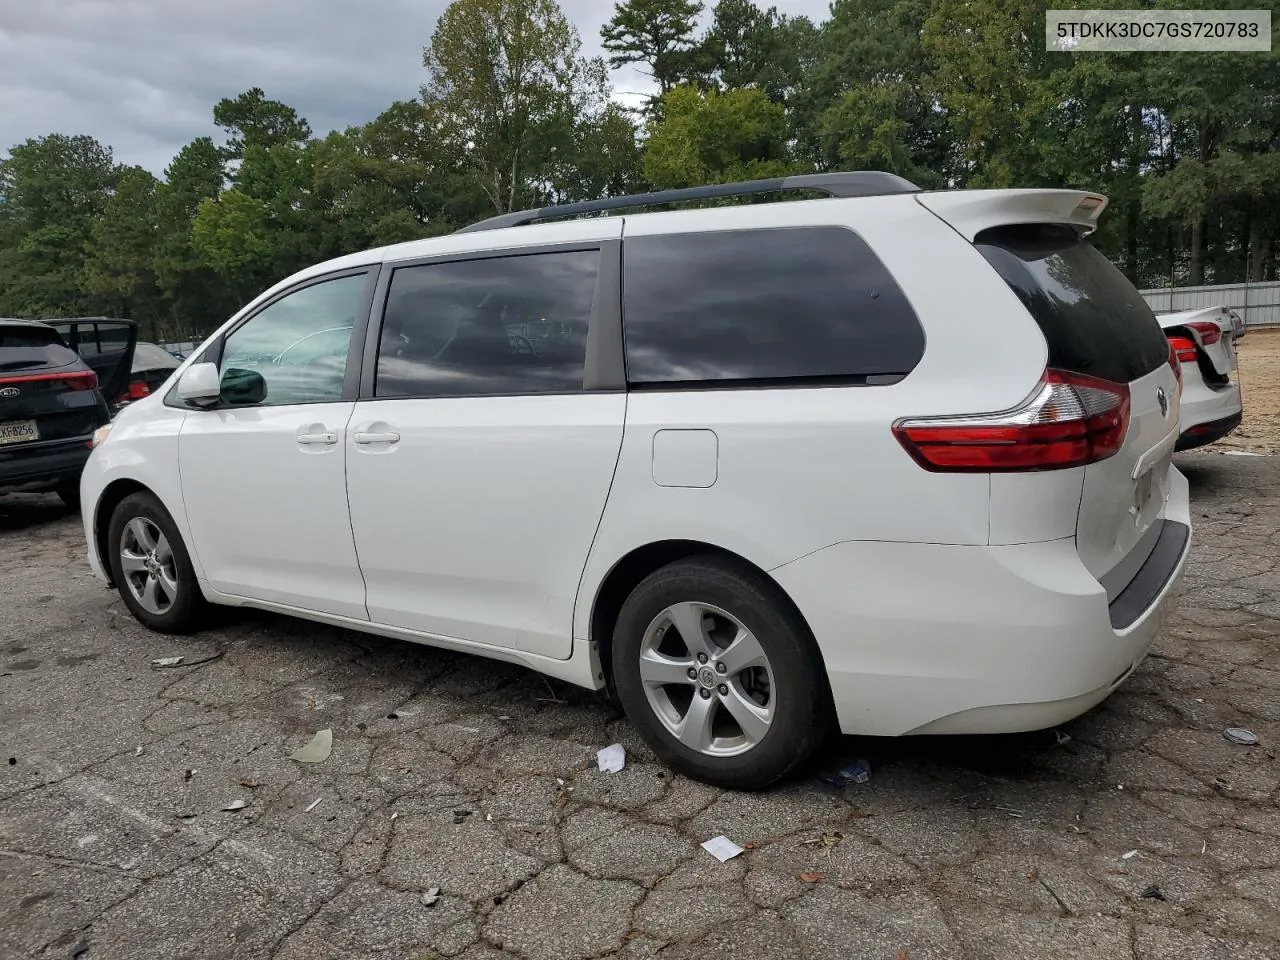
(1138,831)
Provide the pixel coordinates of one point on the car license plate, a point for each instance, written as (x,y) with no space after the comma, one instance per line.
(19,431)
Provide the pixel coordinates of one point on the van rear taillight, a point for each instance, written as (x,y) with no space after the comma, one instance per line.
(79,380)
(1069,421)
(1184,348)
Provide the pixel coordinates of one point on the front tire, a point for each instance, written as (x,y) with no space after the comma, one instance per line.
(151,567)
(720,674)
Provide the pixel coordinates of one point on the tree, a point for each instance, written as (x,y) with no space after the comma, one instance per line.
(988,66)
(750,47)
(195,295)
(120,267)
(604,160)
(656,33)
(51,191)
(716,137)
(251,120)
(232,235)
(506,88)
(867,99)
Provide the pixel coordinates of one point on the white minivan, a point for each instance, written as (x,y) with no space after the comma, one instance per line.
(884,461)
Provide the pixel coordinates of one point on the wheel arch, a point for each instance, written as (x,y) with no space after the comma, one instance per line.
(112,495)
(633,567)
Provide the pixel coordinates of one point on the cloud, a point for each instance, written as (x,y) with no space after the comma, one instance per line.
(143,75)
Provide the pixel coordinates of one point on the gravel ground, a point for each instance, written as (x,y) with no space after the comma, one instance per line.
(1137,831)
(1259,375)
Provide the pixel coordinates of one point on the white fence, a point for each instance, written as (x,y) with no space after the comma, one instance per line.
(1257,303)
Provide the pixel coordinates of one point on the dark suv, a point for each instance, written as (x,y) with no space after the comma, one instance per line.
(52,398)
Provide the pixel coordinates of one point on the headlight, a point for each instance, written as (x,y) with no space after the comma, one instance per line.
(100,435)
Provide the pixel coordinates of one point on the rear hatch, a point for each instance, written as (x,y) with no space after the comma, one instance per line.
(1096,323)
(46,391)
(107,346)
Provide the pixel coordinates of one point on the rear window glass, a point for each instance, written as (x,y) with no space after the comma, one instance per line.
(147,356)
(1093,319)
(793,304)
(27,347)
(96,339)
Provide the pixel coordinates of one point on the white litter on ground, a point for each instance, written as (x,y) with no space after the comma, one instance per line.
(722,848)
(612,758)
(318,750)
(313,804)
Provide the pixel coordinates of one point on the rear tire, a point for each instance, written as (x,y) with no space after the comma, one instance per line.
(151,567)
(747,701)
(69,493)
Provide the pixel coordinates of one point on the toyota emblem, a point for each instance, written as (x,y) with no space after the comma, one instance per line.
(1162,399)
(9,392)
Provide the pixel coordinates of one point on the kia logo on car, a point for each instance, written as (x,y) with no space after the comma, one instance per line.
(1163,401)
(9,392)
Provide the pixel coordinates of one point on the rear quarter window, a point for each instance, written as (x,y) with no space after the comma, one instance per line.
(25,348)
(806,305)
(1093,319)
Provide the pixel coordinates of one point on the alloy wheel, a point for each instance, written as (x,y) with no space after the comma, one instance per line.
(707,679)
(147,561)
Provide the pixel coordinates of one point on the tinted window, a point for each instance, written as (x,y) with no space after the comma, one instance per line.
(25,348)
(1093,319)
(91,339)
(764,305)
(16,336)
(508,325)
(298,345)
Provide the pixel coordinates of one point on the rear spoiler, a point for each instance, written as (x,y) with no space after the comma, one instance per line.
(969,212)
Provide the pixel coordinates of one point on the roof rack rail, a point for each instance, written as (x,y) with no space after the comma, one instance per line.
(859,183)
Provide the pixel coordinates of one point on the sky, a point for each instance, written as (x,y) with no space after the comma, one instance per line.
(142,76)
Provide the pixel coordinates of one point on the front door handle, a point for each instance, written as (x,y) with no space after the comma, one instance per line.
(389,437)
(326,439)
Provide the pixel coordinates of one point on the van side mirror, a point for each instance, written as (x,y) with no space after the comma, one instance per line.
(242,388)
(200,384)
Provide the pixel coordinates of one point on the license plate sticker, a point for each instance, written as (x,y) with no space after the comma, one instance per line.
(19,431)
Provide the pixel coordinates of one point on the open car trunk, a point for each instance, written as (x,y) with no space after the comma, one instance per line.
(107,346)
(1213,331)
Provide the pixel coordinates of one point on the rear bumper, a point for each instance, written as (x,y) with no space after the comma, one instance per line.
(1206,414)
(41,466)
(921,638)
(1206,433)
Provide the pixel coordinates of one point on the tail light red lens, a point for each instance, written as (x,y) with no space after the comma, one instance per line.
(79,380)
(1176,363)
(1184,348)
(137,390)
(1208,332)
(1070,420)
